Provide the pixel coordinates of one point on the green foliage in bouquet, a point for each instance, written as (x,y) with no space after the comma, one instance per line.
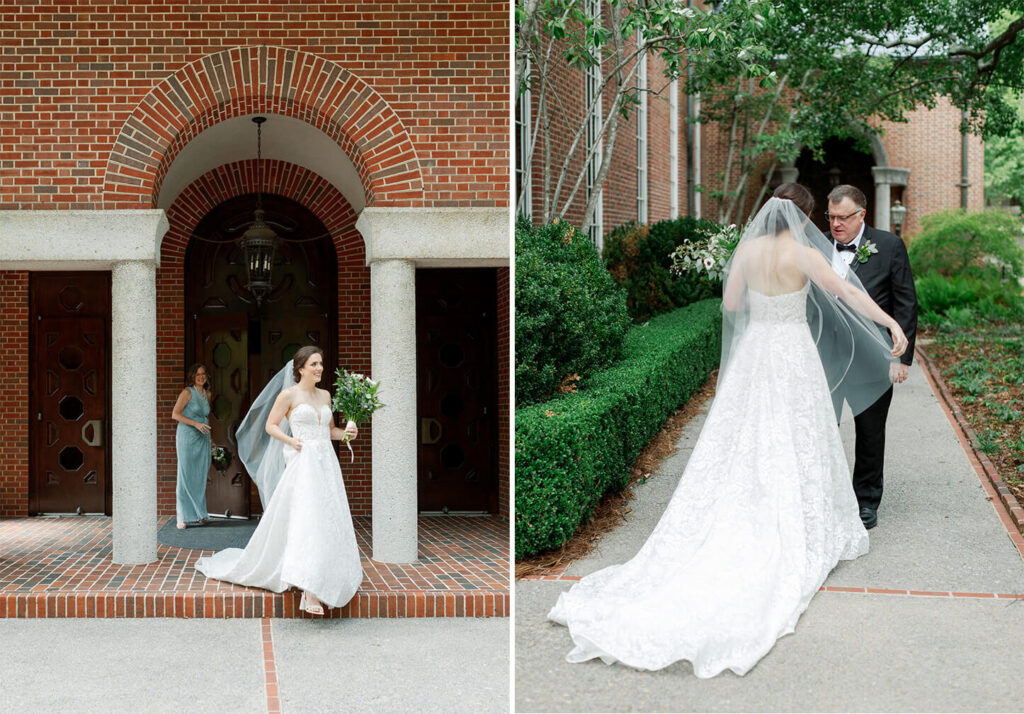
(221,457)
(355,396)
(573,449)
(639,257)
(570,315)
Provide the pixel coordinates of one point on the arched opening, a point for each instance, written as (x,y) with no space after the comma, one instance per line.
(842,163)
(242,342)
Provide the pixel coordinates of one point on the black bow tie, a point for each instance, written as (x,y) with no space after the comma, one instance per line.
(845,246)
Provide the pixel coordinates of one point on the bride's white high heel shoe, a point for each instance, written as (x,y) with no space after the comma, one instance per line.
(310,604)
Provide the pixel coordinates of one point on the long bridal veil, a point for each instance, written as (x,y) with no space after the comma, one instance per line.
(261,454)
(854,350)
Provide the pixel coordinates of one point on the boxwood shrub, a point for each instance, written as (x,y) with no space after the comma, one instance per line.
(637,256)
(572,449)
(570,315)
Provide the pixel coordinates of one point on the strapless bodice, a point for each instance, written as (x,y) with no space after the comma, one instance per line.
(787,307)
(310,423)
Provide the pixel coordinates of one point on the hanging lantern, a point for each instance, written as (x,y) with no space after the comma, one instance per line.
(258,244)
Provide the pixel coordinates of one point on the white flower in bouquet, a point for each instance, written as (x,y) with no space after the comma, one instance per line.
(706,255)
(355,396)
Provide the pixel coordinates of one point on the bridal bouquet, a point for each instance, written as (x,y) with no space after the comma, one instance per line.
(221,457)
(355,396)
(708,255)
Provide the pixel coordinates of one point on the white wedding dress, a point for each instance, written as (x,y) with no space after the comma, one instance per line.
(305,538)
(764,510)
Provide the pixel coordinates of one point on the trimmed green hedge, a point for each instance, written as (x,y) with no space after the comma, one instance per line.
(573,449)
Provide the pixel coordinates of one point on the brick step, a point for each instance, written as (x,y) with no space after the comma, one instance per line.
(248,604)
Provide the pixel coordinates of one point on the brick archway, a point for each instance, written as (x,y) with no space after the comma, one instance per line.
(200,197)
(247,80)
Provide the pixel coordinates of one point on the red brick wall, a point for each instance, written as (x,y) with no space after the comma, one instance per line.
(930,147)
(99,98)
(14,361)
(338,217)
(504,369)
(417,94)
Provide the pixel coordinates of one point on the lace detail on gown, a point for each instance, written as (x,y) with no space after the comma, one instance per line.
(762,513)
(305,538)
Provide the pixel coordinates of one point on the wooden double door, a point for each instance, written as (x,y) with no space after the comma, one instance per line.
(69,395)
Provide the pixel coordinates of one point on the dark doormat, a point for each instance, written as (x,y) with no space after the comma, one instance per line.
(218,534)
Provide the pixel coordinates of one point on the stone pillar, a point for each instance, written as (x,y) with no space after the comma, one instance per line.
(885,178)
(133,410)
(882,194)
(393,363)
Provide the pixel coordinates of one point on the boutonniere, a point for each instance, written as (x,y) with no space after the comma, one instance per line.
(866,249)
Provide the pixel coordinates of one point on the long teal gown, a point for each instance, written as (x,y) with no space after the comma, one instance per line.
(193,461)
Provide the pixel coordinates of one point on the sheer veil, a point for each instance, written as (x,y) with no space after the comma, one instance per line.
(262,454)
(781,252)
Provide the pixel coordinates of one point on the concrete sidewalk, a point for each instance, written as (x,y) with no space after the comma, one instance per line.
(178,665)
(852,651)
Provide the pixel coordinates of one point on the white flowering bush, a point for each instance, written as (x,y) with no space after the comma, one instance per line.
(706,256)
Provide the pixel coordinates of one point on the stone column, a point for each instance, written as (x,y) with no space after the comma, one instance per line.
(393,362)
(882,194)
(133,410)
(886,177)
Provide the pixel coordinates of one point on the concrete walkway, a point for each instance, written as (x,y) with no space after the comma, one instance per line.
(852,651)
(177,665)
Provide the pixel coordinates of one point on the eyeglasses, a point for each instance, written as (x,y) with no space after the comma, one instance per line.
(842,219)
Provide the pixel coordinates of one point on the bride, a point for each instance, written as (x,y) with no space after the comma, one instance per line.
(305,538)
(765,508)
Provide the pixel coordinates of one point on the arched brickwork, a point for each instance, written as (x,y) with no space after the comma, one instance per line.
(204,194)
(247,80)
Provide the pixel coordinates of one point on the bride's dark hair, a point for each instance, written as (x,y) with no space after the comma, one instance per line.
(301,357)
(798,195)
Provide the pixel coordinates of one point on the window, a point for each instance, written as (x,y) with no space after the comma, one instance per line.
(594,143)
(524,199)
(641,133)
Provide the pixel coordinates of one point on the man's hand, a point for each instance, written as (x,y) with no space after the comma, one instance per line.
(898,372)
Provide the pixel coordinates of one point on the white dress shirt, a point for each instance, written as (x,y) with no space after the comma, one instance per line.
(842,260)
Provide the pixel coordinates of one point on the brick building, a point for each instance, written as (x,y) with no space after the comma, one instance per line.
(128,169)
(659,157)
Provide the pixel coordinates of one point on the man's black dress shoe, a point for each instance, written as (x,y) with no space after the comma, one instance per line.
(868,517)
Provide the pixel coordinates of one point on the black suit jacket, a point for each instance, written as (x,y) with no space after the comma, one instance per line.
(887,279)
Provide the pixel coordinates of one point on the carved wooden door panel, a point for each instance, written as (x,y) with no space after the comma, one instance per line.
(222,345)
(70,433)
(456,332)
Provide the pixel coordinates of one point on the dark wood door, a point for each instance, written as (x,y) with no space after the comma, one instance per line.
(222,345)
(69,460)
(456,331)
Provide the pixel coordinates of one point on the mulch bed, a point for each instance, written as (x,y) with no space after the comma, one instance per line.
(984,371)
(614,507)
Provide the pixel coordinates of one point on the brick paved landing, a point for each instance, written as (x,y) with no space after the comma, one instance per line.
(61,567)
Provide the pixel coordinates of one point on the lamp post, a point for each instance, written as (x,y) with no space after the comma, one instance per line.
(897,214)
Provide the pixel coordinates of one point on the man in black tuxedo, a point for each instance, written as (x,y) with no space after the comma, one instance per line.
(886,277)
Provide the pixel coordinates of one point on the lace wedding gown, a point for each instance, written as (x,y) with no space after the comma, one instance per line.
(764,510)
(305,538)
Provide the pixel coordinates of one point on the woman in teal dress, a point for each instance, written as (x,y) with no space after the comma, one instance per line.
(193,446)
